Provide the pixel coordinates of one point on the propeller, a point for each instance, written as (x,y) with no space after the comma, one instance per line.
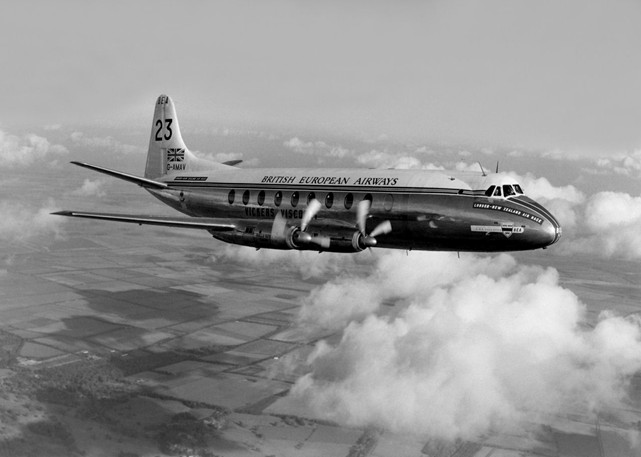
(313,207)
(362,212)
(279,227)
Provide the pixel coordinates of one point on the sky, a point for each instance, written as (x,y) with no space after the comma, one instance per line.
(535,75)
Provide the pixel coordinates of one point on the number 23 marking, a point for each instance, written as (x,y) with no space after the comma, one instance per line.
(167,136)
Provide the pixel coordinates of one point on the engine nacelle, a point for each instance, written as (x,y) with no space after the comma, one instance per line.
(295,238)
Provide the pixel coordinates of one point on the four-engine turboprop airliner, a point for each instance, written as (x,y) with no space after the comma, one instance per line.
(338,210)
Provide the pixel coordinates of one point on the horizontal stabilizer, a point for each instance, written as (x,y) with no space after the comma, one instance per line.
(233,163)
(182,222)
(144,182)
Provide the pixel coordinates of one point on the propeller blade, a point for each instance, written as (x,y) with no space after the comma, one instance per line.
(362,210)
(313,207)
(383,227)
(279,227)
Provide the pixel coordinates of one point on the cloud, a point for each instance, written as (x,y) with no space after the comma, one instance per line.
(385,159)
(324,307)
(108,143)
(20,222)
(424,150)
(560,154)
(464,166)
(298,145)
(24,151)
(473,345)
(316,147)
(90,188)
(611,222)
(622,164)
(308,264)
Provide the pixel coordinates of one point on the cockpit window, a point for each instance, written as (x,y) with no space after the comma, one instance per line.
(518,189)
(497,191)
(489,191)
(508,190)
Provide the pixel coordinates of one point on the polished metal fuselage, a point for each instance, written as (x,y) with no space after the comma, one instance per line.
(443,219)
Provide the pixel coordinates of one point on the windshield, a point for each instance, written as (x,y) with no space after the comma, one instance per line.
(508,190)
(505,190)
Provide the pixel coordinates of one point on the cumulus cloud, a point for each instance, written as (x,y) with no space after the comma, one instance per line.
(398,160)
(559,154)
(90,188)
(610,228)
(109,143)
(316,147)
(465,166)
(622,164)
(473,345)
(308,264)
(419,274)
(424,150)
(24,151)
(20,222)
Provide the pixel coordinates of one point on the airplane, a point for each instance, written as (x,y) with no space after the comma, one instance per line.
(334,209)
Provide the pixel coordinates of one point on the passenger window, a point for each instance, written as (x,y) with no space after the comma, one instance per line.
(507,190)
(294,199)
(349,201)
(489,191)
(329,200)
(278,198)
(261,198)
(231,197)
(388,204)
(245,197)
(310,196)
(497,191)
(368,197)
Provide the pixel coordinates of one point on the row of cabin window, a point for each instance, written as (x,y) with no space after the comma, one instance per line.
(294,198)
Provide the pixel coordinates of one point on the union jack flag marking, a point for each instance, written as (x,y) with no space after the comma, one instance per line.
(175,155)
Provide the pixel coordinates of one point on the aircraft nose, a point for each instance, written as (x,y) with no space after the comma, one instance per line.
(551,227)
(549,231)
(553,231)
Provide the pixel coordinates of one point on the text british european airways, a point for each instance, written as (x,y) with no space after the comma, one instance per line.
(329,180)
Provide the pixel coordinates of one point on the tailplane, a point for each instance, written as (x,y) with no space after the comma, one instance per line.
(167,152)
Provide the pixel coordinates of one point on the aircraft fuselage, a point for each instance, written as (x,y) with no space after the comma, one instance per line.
(450,216)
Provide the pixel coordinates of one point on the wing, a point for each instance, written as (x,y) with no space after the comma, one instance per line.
(182,222)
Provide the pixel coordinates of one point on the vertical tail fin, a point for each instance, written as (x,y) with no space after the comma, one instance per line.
(167,151)
(166,146)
